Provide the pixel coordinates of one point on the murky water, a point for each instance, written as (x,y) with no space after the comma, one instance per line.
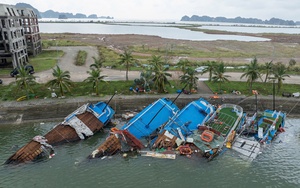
(277,166)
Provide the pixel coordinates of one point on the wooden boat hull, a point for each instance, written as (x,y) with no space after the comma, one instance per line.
(88,122)
(141,126)
(114,143)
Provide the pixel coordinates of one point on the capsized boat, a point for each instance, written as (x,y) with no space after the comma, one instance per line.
(210,138)
(135,134)
(182,124)
(259,129)
(80,124)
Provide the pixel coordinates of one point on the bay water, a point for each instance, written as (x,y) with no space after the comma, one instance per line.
(277,165)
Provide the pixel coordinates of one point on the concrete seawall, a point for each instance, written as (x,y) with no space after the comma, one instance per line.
(49,109)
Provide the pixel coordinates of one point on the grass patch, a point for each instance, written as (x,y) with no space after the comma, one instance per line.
(243,87)
(12,92)
(81,58)
(46,60)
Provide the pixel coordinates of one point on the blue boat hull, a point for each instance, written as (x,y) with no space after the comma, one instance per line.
(151,118)
(190,118)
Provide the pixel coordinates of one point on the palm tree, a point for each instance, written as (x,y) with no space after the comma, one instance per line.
(95,78)
(211,66)
(98,62)
(252,72)
(24,80)
(189,78)
(62,80)
(292,63)
(184,64)
(268,69)
(279,74)
(127,59)
(146,78)
(219,75)
(160,74)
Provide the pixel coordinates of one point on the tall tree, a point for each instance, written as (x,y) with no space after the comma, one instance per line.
(211,66)
(24,80)
(252,73)
(219,75)
(184,64)
(127,59)
(95,78)
(279,74)
(61,80)
(98,62)
(292,63)
(160,74)
(267,68)
(189,78)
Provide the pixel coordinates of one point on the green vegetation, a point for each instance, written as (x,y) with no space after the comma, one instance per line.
(61,81)
(243,87)
(153,62)
(81,58)
(12,92)
(43,61)
(127,60)
(60,42)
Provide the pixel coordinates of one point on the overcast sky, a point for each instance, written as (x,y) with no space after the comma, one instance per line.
(172,9)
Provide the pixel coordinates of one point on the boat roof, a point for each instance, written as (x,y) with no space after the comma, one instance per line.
(151,118)
(194,114)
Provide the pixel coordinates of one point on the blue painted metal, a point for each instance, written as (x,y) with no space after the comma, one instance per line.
(195,114)
(151,118)
(270,131)
(102,111)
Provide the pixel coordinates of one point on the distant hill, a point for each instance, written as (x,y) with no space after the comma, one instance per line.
(61,15)
(272,21)
(25,5)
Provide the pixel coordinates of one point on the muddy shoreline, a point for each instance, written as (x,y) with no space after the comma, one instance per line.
(40,110)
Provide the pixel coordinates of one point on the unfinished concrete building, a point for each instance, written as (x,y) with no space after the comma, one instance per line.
(19,36)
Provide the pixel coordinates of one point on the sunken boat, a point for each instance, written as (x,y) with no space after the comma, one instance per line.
(137,133)
(182,125)
(79,125)
(259,129)
(210,138)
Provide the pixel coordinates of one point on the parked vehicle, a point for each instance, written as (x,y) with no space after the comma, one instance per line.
(28,68)
(200,69)
(297,94)
(286,94)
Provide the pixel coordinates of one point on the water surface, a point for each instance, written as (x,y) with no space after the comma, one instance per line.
(277,166)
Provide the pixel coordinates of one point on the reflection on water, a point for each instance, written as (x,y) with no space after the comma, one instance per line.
(277,166)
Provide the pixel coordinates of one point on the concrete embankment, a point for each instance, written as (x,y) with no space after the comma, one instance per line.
(56,109)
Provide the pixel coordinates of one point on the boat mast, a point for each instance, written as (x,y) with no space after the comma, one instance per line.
(109,101)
